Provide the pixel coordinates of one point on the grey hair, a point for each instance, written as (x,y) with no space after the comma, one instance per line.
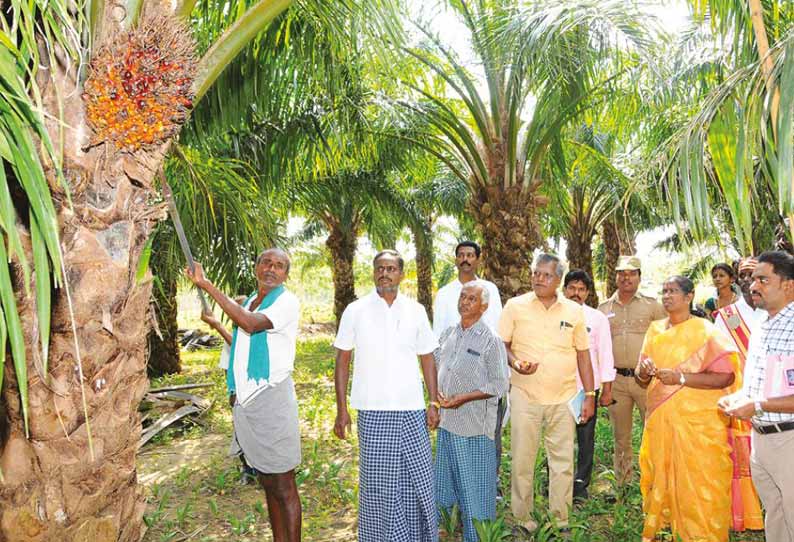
(544,257)
(485,295)
(278,250)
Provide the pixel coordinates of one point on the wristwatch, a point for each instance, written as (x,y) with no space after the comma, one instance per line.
(682,380)
(758,410)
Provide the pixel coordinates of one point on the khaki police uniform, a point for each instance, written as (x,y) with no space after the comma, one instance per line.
(628,324)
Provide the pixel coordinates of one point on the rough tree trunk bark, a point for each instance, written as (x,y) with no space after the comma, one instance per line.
(54,490)
(507,219)
(164,347)
(424,270)
(579,253)
(617,242)
(342,243)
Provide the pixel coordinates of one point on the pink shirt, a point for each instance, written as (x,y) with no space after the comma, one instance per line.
(600,347)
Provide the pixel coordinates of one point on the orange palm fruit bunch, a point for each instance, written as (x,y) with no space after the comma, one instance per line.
(139,90)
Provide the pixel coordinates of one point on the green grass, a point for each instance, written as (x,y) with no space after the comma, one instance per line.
(202,499)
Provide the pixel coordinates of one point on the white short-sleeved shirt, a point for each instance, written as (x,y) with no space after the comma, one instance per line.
(387,341)
(284,313)
(445,307)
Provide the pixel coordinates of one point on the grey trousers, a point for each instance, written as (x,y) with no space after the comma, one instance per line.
(770,465)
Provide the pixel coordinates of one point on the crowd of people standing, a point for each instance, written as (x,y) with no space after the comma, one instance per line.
(717,399)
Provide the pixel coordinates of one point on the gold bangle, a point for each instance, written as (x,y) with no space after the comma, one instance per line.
(590,393)
(435,404)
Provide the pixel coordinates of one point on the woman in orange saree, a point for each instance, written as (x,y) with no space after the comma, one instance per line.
(685,462)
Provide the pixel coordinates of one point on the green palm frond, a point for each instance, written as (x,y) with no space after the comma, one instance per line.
(727,144)
(228,218)
(23,135)
(553,54)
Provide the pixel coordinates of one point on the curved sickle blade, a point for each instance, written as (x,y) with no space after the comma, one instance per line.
(180,233)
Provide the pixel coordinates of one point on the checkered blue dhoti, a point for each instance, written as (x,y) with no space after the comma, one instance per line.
(396,501)
(466,476)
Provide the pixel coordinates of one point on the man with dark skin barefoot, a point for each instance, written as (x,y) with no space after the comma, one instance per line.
(259,377)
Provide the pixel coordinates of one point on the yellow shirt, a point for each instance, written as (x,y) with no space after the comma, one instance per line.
(628,324)
(549,337)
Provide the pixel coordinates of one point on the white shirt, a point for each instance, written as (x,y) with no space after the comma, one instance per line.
(445,307)
(600,347)
(283,313)
(387,341)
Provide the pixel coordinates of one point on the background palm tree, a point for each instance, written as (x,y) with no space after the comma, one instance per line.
(346,205)
(432,191)
(539,76)
(588,192)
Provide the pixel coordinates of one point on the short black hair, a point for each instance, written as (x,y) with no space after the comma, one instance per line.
(729,270)
(782,263)
(390,252)
(580,275)
(471,244)
(687,287)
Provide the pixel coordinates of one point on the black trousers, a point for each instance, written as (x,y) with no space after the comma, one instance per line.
(585,438)
(500,416)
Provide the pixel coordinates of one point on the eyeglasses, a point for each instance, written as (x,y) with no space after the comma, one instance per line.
(539,275)
(670,291)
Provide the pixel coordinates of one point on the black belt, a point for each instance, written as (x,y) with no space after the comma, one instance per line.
(625,372)
(774,428)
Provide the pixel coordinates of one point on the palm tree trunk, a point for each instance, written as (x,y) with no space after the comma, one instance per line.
(342,243)
(618,241)
(609,235)
(767,67)
(579,253)
(54,488)
(507,219)
(163,341)
(424,269)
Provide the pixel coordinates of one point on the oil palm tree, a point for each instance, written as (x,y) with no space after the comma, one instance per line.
(588,191)
(92,97)
(432,191)
(539,75)
(345,205)
(734,150)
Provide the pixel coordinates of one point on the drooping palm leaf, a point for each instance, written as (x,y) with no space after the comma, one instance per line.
(22,136)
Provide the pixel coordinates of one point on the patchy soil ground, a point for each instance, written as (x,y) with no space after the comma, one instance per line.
(194,491)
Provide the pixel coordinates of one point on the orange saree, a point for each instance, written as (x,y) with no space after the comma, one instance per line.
(685,458)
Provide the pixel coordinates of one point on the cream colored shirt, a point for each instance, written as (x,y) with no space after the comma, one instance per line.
(549,337)
(628,324)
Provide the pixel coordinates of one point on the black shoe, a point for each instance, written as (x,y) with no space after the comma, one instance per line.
(579,491)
